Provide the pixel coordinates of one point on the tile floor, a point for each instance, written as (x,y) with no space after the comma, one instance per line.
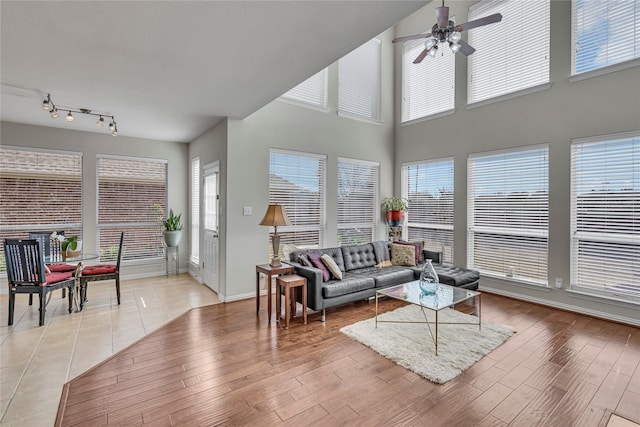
(35,362)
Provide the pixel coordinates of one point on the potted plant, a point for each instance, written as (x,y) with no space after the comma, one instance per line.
(173,229)
(70,246)
(395,208)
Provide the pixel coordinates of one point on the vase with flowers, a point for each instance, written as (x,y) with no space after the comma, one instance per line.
(70,246)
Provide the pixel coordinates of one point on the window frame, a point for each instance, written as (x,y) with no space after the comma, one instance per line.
(353,64)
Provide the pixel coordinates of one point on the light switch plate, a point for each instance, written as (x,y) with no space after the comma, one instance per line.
(246,211)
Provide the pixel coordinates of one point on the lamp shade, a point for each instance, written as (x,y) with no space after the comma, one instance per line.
(275,216)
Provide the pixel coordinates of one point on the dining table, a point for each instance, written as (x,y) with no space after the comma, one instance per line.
(58,259)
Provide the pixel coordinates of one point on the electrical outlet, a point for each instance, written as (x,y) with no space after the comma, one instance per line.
(558,282)
(247,211)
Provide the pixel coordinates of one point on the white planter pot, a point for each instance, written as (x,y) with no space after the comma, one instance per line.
(172,238)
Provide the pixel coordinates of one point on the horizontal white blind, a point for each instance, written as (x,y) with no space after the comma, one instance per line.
(357,201)
(605,32)
(429,188)
(605,215)
(508,213)
(359,81)
(510,55)
(311,91)
(195,210)
(297,181)
(39,191)
(132,197)
(429,87)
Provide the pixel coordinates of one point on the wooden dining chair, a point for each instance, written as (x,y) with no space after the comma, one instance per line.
(26,275)
(97,272)
(51,248)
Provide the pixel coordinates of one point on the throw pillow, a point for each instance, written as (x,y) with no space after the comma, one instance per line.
(304,260)
(419,256)
(403,254)
(383,264)
(331,266)
(314,257)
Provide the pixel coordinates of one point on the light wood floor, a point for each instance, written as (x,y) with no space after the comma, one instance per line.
(223,365)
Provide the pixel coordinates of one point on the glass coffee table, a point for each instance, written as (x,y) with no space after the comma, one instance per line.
(438,297)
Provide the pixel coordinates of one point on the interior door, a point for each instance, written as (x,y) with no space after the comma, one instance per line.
(211,214)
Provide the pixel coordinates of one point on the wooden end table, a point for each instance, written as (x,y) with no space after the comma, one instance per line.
(290,283)
(270,272)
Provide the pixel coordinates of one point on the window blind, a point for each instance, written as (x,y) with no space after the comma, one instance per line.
(357,201)
(132,197)
(510,55)
(605,32)
(297,181)
(195,210)
(605,215)
(359,81)
(429,87)
(40,191)
(429,188)
(508,213)
(312,91)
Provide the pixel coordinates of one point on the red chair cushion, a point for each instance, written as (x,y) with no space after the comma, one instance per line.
(61,268)
(98,269)
(57,277)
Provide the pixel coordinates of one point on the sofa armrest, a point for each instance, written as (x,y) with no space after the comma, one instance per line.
(434,256)
(314,285)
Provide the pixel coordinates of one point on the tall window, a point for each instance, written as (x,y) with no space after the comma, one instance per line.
(312,91)
(132,197)
(195,210)
(429,87)
(511,55)
(357,201)
(508,214)
(39,191)
(429,188)
(297,181)
(605,32)
(359,82)
(605,215)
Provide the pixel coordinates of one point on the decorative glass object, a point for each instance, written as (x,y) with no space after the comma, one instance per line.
(428,278)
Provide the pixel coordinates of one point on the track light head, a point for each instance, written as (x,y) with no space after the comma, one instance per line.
(112,125)
(100,121)
(54,113)
(46,104)
(69,117)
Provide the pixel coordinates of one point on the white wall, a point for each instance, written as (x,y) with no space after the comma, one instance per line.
(91,144)
(595,106)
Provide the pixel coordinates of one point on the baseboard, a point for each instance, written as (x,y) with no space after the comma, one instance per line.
(561,306)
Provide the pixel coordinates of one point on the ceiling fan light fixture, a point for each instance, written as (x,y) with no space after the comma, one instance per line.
(429,43)
(434,51)
(69,117)
(454,47)
(455,37)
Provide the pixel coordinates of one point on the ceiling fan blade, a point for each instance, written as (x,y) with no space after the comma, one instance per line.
(465,48)
(491,19)
(442,16)
(414,37)
(420,57)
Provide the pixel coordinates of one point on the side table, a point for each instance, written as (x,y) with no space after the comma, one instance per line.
(290,283)
(177,260)
(270,272)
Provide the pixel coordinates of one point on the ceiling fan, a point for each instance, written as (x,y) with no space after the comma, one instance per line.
(445,31)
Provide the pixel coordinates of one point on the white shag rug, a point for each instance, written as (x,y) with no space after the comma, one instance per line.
(411,345)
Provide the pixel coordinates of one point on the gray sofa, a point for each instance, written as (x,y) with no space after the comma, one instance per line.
(361,278)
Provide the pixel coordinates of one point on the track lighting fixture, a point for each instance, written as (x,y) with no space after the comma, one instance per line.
(48,105)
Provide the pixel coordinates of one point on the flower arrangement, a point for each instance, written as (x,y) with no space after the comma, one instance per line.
(69,245)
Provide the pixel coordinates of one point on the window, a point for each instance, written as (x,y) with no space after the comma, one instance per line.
(508,214)
(312,91)
(429,188)
(297,181)
(357,201)
(429,87)
(359,82)
(605,32)
(132,197)
(511,55)
(605,216)
(195,211)
(43,193)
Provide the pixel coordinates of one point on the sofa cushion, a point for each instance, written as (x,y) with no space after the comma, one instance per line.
(314,257)
(419,246)
(331,266)
(358,256)
(349,284)
(403,255)
(381,249)
(456,276)
(304,260)
(392,276)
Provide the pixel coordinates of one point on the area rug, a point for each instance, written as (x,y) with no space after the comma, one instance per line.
(410,344)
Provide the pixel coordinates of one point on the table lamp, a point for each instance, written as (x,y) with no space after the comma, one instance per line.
(274,217)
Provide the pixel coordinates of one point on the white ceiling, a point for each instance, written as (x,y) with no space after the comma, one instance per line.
(170,70)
